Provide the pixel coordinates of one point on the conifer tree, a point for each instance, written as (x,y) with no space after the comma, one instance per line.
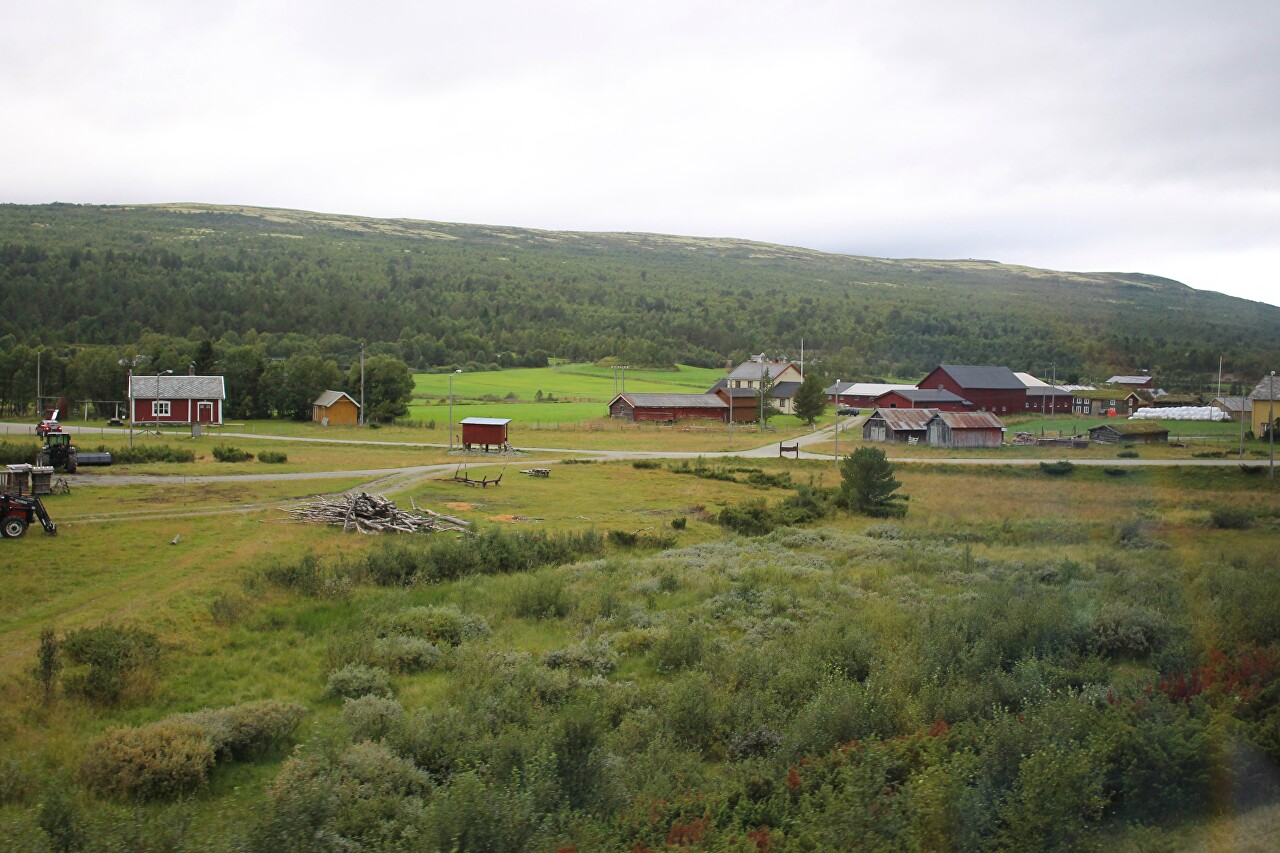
(867,485)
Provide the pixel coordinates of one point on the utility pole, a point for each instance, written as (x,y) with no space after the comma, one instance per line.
(362,383)
(39,410)
(1271,427)
(1244,399)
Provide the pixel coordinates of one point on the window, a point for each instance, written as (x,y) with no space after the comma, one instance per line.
(159,408)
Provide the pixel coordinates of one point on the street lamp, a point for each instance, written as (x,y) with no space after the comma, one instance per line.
(451,375)
(156,401)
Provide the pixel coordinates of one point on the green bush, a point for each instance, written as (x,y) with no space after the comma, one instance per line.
(371,717)
(227,453)
(162,760)
(13,453)
(751,518)
(680,522)
(356,680)
(272,457)
(104,658)
(446,625)
(646,464)
(683,646)
(1057,469)
(15,779)
(541,597)
(141,454)
(1230,518)
(228,608)
(623,539)
(1127,454)
(401,654)
(1127,630)
(246,731)
(590,656)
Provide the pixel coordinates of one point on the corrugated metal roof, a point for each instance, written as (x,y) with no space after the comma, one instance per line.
(1235,404)
(899,420)
(984,376)
(1129,380)
(866,389)
(328,398)
(1029,380)
(970,420)
(177,388)
(1047,391)
(754,370)
(486,421)
(673,401)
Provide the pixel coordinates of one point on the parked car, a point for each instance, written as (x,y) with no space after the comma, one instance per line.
(847,411)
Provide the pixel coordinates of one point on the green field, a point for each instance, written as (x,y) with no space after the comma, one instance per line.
(1080,424)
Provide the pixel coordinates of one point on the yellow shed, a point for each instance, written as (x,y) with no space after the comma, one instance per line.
(335,408)
(1266,401)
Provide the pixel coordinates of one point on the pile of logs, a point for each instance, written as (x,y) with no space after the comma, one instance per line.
(374,514)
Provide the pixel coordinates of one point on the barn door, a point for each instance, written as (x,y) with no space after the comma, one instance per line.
(204,412)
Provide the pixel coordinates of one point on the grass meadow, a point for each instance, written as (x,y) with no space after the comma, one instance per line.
(1023,661)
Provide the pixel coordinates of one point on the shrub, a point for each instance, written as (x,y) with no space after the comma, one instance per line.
(249,730)
(683,646)
(595,657)
(12,453)
(1057,469)
(15,779)
(1127,630)
(402,654)
(48,662)
(59,818)
(646,464)
(106,656)
(227,453)
(143,453)
(1230,518)
(228,608)
(679,522)
(272,457)
(623,539)
(355,680)
(757,743)
(445,625)
(751,518)
(1115,472)
(164,759)
(541,597)
(371,717)
(1127,454)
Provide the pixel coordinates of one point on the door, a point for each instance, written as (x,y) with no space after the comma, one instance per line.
(204,412)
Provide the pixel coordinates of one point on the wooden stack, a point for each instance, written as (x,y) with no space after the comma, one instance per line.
(368,513)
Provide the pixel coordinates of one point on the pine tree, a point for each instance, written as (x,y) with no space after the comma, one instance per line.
(868,485)
(810,402)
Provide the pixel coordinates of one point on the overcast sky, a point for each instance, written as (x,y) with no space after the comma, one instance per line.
(1085,135)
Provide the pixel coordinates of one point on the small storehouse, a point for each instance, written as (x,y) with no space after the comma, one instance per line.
(905,425)
(860,394)
(169,399)
(742,402)
(335,408)
(1237,408)
(484,432)
(669,408)
(965,429)
(1129,432)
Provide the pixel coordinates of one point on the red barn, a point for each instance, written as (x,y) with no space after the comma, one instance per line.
(671,407)
(168,399)
(922,398)
(992,388)
(486,432)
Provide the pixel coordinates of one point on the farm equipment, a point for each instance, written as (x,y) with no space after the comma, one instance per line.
(18,511)
(58,452)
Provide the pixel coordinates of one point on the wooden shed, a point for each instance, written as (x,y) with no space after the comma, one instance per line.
(1141,432)
(670,407)
(965,429)
(485,432)
(167,399)
(335,408)
(905,425)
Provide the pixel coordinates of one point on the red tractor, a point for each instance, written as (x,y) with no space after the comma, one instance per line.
(17,512)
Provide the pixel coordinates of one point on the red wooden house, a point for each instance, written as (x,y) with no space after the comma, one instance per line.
(991,388)
(922,398)
(860,394)
(484,432)
(168,399)
(670,407)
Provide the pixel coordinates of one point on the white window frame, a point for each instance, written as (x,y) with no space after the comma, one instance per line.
(161,409)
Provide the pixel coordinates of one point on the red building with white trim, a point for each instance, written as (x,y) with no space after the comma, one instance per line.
(167,399)
(991,388)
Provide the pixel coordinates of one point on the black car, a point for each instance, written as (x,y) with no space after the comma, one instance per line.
(847,411)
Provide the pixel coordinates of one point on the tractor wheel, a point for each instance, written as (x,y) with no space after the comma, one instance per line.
(42,459)
(13,526)
(71,465)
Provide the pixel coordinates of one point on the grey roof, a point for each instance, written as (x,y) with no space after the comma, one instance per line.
(1047,391)
(784,390)
(672,401)
(929,395)
(486,421)
(1130,380)
(1264,390)
(900,420)
(177,388)
(736,393)
(328,398)
(1235,404)
(1133,428)
(863,389)
(754,370)
(984,376)
(970,420)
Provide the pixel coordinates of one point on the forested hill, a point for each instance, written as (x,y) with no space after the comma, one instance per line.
(437,293)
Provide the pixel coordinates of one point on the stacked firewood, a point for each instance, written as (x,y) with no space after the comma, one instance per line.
(368,513)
